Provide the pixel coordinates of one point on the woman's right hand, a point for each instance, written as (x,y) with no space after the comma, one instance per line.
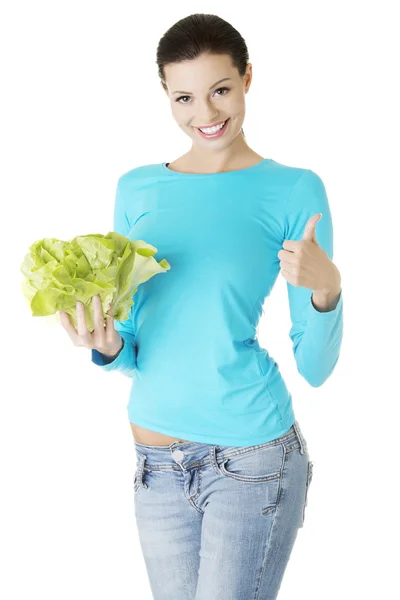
(104,337)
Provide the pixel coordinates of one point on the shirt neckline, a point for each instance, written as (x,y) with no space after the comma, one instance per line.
(180,174)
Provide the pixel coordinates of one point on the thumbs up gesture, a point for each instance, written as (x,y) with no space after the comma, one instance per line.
(304,263)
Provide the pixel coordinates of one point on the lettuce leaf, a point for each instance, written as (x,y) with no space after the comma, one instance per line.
(58,274)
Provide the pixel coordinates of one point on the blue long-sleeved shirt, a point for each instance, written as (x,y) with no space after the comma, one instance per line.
(190,343)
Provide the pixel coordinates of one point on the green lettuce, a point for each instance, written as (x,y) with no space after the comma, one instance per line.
(58,274)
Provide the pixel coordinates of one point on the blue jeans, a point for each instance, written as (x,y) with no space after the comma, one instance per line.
(219,522)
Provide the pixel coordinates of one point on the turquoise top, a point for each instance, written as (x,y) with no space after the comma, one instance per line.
(190,343)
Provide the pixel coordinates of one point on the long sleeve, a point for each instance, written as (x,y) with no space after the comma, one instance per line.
(125,360)
(316,336)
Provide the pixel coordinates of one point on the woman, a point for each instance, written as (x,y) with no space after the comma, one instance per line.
(223,469)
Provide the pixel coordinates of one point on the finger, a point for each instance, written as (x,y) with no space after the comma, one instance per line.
(110,329)
(83,332)
(98,320)
(70,329)
(98,313)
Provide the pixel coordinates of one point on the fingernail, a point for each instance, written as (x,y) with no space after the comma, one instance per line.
(79,304)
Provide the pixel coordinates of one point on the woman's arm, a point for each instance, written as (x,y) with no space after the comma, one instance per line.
(125,360)
(316,316)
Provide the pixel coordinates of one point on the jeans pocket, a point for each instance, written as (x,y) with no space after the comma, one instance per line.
(254,465)
(309,479)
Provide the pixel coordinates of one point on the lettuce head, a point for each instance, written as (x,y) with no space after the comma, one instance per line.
(58,274)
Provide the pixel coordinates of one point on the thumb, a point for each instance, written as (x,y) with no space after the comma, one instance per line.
(309,230)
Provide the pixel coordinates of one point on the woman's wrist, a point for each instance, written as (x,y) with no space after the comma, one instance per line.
(114,355)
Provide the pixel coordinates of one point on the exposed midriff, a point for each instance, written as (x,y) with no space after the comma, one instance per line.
(152,438)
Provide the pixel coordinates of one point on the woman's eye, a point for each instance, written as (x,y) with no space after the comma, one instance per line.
(180,98)
(223,88)
(219,89)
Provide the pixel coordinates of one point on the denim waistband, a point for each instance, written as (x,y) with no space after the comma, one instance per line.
(185,453)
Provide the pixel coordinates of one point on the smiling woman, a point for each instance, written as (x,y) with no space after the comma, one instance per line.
(214,428)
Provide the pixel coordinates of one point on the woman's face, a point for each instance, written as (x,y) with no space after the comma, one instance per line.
(199,98)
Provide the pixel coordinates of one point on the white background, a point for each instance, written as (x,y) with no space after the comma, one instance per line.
(81,103)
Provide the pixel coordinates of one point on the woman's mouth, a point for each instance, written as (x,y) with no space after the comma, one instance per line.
(213,132)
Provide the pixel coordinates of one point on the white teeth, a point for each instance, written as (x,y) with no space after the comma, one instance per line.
(213,129)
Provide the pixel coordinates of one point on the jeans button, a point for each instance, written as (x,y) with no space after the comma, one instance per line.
(178,455)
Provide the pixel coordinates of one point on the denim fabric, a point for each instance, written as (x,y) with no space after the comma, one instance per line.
(219,522)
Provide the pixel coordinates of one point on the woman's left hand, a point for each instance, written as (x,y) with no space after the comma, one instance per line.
(304,263)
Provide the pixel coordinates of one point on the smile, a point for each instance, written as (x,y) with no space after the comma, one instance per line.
(213,132)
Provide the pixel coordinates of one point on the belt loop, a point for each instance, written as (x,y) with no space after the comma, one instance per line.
(213,459)
(299,436)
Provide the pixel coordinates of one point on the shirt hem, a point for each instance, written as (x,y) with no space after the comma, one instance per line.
(211,439)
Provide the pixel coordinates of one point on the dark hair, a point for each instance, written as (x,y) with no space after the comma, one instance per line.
(197,34)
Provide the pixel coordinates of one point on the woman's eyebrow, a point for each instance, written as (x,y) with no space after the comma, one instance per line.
(216,83)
